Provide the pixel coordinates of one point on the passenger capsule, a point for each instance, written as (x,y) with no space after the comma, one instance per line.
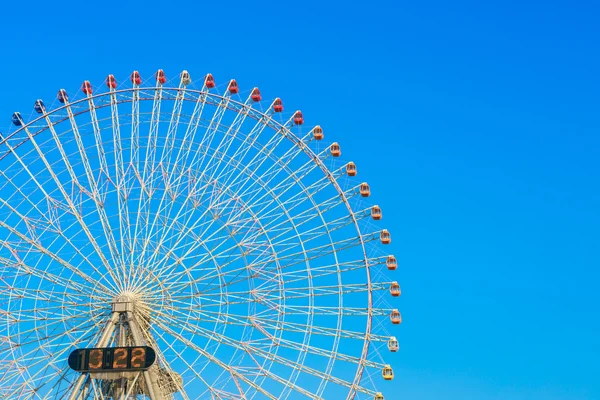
(16,119)
(335,149)
(393,345)
(365,190)
(298,118)
(111,82)
(209,81)
(395,289)
(39,106)
(379,396)
(86,87)
(351,169)
(186,79)
(256,97)
(233,87)
(385,237)
(376,213)
(395,317)
(391,263)
(388,373)
(318,133)
(160,76)
(136,78)
(278,105)
(62,96)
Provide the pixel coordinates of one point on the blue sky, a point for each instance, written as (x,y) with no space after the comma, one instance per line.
(476,124)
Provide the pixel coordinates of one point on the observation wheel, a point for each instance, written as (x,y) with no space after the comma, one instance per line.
(169,240)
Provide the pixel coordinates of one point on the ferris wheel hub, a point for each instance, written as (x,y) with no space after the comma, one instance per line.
(125,302)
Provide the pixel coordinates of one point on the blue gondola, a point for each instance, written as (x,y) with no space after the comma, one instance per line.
(16,119)
(39,106)
(62,96)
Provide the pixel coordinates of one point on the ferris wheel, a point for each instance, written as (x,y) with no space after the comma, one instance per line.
(169,240)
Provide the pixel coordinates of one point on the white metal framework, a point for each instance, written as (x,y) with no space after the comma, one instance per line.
(240,245)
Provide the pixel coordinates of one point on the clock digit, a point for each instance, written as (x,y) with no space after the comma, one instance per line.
(138,357)
(120,359)
(95,359)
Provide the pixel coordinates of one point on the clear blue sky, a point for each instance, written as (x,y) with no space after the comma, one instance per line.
(476,123)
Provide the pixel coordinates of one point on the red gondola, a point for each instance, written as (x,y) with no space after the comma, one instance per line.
(111,82)
(160,76)
(135,77)
(256,97)
(278,105)
(209,81)
(298,118)
(233,87)
(86,87)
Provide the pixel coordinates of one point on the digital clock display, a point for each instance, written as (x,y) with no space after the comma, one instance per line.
(112,359)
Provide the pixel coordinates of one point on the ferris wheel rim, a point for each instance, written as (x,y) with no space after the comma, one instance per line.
(281,128)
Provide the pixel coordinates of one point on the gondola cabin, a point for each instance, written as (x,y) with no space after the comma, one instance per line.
(298,118)
(385,237)
(160,76)
(365,190)
(318,133)
(391,263)
(87,88)
(395,289)
(379,396)
(393,345)
(111,82)
(136,78)
(376,213)
(388,373)
(351,169)
(209,81)
(395,317)
(39,106)
(278,105)
(186,79)
(233,87)
(335,149)
(62,96)
(16,119)
(256,97)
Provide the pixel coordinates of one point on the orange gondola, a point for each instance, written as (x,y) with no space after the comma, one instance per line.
(391,263)
(351,169)
(385,237)
(376,213)
(395,317)
(395,289)
(318,133)
(335,150)
(365,190)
